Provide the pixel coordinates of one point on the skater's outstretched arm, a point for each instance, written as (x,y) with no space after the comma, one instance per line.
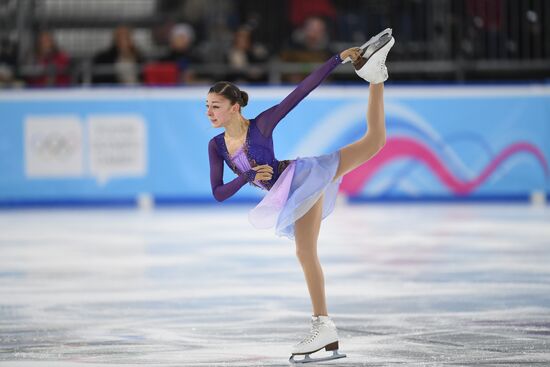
(268,120)
(223,191)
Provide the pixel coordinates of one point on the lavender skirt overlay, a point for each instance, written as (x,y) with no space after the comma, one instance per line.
(297,189)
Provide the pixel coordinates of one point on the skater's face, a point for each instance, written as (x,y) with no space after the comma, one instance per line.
(219,110)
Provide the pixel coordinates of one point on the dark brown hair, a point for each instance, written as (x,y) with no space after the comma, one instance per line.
(231,92)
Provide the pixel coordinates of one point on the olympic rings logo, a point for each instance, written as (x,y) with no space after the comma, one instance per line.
(54,145)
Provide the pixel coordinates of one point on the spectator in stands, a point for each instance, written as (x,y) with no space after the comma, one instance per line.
(181,52)
(310,43)
(245,57)
(7,62)
(485,33)
(299,11)
(50,63)
(120,63)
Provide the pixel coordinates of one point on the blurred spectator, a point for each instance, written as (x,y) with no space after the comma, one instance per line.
(7,62)
(181,52)
(120,63)
(301,10)
(50,63)
(244,56)
(485,27)
(211,21)
(309,43)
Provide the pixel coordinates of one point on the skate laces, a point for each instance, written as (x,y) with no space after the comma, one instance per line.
(316,325)
(313,333)
(383,61)
(383,58)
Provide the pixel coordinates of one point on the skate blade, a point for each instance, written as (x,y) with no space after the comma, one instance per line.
(379,45)
(308,359)
(373,39)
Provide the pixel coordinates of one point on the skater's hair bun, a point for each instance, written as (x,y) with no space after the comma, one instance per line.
(231,92)
(244,98)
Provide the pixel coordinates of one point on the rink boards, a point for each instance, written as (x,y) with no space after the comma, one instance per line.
(116,146)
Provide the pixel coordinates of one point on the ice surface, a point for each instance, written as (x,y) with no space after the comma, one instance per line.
(407,285)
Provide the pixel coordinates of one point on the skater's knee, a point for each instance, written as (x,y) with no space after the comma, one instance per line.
(305,254)
(370,145)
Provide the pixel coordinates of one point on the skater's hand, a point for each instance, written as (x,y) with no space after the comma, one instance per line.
(353,53)
(263,172)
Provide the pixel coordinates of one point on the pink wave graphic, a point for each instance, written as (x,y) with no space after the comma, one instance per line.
(402,147)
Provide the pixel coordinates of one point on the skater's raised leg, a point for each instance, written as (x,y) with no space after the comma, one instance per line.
(360,151)
(375,72)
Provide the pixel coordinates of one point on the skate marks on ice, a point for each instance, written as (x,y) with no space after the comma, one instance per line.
(412,285)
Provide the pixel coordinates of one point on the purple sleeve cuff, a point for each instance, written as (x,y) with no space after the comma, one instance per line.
(250,175)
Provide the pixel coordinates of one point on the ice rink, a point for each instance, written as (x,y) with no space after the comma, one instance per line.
(407,285)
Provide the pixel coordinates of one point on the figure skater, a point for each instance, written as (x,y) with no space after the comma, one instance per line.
(301,192)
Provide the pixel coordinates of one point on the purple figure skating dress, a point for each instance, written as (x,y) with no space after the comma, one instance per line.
(296,184)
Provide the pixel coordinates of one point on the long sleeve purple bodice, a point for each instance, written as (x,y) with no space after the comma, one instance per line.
(258,145)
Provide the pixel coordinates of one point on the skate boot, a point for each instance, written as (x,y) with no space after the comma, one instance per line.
(386,33)
(323,334)
(372,66)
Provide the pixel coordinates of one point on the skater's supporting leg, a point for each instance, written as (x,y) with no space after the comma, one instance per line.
(357,153)
(306,233)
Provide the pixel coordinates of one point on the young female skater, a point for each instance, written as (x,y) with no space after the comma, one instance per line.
(301,192)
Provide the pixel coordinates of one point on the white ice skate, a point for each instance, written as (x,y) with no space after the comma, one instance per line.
(386,33)
(323,334)
(372,66)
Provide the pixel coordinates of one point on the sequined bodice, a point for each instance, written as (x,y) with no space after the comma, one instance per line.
(256,150)
(240,160)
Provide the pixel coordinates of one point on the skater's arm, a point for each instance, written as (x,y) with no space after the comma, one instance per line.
(268,119)
(220,190)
